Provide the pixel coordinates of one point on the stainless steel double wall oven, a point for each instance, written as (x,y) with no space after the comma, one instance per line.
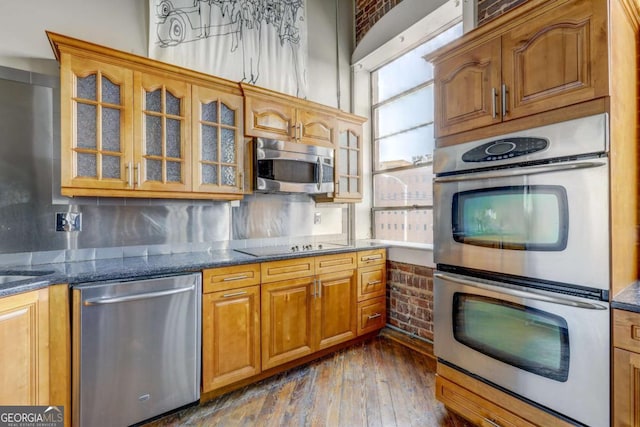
(522,251)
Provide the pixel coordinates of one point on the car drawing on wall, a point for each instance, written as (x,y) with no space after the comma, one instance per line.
(179,21)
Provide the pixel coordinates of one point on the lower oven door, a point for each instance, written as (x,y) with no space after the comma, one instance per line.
(547,222)
(552,349)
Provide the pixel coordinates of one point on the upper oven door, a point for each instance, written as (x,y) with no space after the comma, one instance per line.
(547,222)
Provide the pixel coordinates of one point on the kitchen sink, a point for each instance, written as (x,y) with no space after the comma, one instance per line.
(9,277)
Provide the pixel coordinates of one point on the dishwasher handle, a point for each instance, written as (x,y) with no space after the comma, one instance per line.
(137,297)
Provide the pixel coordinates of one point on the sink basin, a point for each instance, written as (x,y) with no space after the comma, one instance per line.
(15,276)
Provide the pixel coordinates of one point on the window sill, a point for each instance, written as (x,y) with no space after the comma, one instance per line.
(410,253)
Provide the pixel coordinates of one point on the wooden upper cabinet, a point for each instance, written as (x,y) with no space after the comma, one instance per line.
(315,127)
(96,124)
(556,59)
(218,141)
(348,169)
(135,127)
(270,114)
(162,119)
(537,58)
(268,118)
(466,88)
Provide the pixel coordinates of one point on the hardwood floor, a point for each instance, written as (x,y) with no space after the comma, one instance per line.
(380,383)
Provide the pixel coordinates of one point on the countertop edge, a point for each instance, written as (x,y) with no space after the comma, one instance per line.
(111,269)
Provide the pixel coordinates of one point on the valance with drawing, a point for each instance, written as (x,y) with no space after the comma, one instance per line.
(262,42)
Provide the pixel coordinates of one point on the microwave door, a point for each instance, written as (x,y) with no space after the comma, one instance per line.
(289,172)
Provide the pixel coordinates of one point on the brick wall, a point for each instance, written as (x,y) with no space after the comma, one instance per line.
(489,9)
(410,298)
(368,12)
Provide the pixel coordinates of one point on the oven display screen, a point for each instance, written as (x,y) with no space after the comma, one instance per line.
(525,217)
(521,336)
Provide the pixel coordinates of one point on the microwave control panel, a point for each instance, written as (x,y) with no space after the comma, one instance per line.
(507,148)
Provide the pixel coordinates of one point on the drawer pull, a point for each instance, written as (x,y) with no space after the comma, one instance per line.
(375,282)
(492,423)
(235,294)
(372,257)
(375,316)
(230,279)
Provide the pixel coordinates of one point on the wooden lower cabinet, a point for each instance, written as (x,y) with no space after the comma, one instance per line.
(286,320)
(257,317)
(230,336)
(484,405)
(24,353)
(302,316)
(372,315)
(626,391)
(626,368)
(335,308)
(230,325)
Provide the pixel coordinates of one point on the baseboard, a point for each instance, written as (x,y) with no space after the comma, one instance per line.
(419,345)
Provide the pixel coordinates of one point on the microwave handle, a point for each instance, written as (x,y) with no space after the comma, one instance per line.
(520,293)
(319,183)
(525,170)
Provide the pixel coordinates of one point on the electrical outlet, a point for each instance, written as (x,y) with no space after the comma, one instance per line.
(68,221)
(317,218)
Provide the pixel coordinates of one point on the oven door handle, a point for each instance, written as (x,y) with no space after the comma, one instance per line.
(525,170)
(518,291)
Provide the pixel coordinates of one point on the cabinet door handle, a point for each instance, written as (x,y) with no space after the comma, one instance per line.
(494,107)
(504,100)
(235,294)
(129,170)
(375,282)
(375,316)
(230,279)
(492,423)
(137,169)
(315,288)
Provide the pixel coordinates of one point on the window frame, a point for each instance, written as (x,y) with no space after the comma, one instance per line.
(374,141)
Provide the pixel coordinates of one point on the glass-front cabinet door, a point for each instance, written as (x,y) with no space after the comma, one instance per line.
(96,125)
(217,136)
(162,126)
(348,160)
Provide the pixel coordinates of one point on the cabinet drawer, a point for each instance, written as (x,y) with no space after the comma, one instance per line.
(225,278)
(474,408)
(626,330)
(275,271)
(336,262)
(374,257)
(372,282)
(372,315)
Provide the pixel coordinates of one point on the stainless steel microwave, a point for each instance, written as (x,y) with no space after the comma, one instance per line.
(291,167)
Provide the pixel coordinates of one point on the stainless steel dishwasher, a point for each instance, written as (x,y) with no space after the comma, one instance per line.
(136,349)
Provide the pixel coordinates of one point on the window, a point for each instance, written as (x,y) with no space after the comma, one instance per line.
(403,143)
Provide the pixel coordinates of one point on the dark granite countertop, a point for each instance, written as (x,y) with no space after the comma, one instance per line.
(139,267)
(628,299)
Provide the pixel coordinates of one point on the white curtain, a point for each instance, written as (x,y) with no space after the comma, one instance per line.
(262,42)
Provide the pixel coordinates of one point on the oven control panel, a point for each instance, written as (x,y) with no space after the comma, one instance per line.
(503,149)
